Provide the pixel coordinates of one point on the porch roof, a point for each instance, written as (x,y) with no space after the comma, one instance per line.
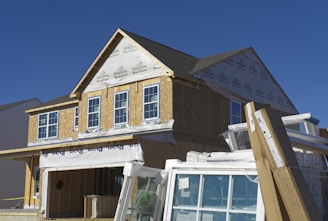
(24,152)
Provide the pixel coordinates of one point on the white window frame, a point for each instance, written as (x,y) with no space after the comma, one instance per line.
(233,115)
(94,112)
(123,107)
(47,125)
(131,172)
(259,212)
(76,118)
(156,102)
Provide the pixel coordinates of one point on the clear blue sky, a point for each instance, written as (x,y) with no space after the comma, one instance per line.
(46,46)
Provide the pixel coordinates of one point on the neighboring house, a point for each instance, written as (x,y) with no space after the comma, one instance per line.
(139,101)
(13,134)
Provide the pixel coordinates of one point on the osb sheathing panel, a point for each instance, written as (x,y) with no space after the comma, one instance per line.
(135,103)
(66,115)
(83,108)
(200,114)
(65,122)
(33,128)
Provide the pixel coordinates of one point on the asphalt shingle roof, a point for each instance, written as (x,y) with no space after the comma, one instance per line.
(7,106)
(183,65)
(180,62)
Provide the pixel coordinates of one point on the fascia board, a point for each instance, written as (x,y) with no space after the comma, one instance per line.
(51,106)
(35,150)
(116,36)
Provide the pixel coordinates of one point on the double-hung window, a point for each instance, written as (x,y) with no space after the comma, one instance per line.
(151,102)
(121,107)
(48,125)
(94,112)
(235,112)
(76,118)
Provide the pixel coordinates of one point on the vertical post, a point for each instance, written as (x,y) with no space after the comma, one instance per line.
(267,186)
(275,146)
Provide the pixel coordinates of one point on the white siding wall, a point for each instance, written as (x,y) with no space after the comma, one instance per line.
(13,134)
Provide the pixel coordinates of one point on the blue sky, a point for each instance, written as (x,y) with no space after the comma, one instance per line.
(46,46)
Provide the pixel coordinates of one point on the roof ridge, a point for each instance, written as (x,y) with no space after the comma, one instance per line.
(156,42)
(179,62)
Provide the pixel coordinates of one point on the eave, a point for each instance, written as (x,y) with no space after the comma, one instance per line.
(53,106)
(21,153)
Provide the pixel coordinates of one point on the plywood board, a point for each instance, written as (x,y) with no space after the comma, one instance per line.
(275,144)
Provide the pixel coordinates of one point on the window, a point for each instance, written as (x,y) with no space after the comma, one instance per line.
(212,197)
(151,102)
(121,106)
(76,118)
(48,125)
(36,181)
(94,112)
(235,112)
(143,200)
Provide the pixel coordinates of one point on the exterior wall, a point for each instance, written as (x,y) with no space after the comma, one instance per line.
(65,122)
(66,114)
(65,205)
(33,128)
(200,115)
(135,102)
(13,134)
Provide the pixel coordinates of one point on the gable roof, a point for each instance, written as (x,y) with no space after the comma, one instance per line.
(175,61)
(179,62)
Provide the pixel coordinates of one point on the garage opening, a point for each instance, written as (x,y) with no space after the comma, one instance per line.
(84,193)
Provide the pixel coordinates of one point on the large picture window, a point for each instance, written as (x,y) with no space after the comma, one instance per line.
(151,102)
(48,125)
(94,112)
(121,107)
(213,197)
